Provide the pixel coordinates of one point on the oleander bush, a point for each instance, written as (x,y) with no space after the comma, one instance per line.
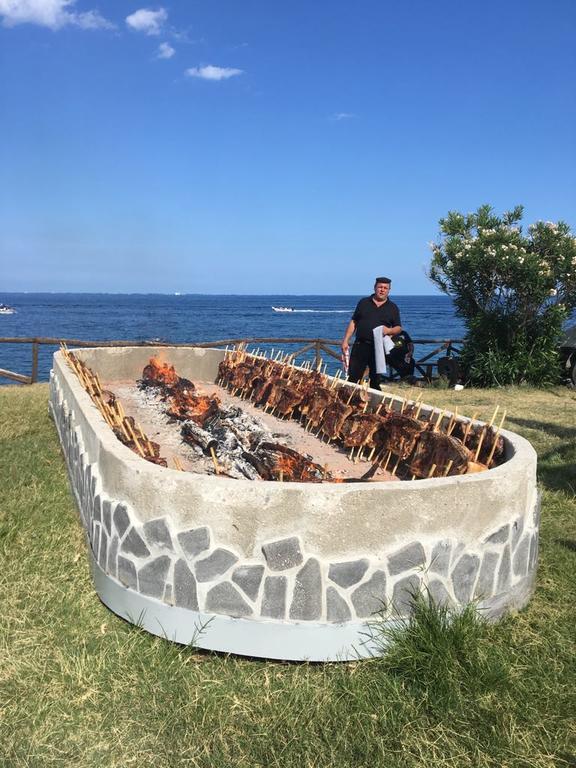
(513,289)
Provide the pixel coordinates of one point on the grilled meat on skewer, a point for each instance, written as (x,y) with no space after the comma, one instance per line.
(440,449)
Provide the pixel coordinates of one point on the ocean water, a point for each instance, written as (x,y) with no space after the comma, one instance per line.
(194,317)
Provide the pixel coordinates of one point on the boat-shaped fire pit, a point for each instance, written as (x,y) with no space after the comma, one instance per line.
(253,506)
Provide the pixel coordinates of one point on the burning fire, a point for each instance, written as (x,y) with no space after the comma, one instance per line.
(160,372)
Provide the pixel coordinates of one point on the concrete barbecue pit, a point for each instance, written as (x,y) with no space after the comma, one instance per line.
(277,569)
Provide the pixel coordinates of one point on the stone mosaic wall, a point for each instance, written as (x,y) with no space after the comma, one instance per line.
(284,581)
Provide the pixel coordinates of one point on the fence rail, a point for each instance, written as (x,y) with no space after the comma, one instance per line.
(425,365)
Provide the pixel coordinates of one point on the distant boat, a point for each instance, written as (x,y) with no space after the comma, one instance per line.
(283,309)
(6,310)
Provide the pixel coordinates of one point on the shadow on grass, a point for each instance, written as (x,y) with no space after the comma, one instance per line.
(557,466)
(564,433)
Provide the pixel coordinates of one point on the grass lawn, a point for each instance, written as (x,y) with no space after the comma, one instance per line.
(79,687)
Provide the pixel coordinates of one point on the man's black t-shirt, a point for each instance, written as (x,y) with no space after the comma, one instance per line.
(368,316)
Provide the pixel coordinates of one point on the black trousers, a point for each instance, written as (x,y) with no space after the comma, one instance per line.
(362,356)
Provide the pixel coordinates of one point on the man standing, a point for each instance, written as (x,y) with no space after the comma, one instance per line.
(370,313)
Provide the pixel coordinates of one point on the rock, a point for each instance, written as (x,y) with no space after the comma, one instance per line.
(248,578)
(370,598)
(283,554)
(194,541)
(307,596)
(337,609)
(348,573)
(274,598)
(224,598)
(152,577)
(215,564)
(407,558)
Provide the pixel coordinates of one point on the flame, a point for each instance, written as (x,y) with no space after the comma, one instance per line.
(159,371)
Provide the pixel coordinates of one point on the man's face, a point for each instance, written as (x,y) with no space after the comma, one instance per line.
(381,291)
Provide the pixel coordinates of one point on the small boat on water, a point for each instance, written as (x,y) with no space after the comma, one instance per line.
(283,309)
(6,310)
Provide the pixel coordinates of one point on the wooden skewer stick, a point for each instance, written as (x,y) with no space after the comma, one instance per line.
(371,454)
(469,427)
(478,449)
(438,420)
(494,416)
(214,460)
(387,460)
(491,454)
(448,467)
(351,453)
(396,466)
(432,470)
(134,438)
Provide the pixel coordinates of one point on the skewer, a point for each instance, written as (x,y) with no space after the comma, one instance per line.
(351,453)
(396,466)
(134,438)
(439,419)
(491,454)
(448,467)
(178,464)
(214,460)
(478,449)
(371,454)
(469,427)
(494,416)
(432,470)
(387,460)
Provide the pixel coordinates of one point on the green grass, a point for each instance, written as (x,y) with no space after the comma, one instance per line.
(79,687)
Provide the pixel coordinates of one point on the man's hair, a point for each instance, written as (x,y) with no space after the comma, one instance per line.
(382,280)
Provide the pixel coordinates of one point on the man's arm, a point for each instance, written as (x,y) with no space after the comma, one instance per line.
(391,330)
(347,335)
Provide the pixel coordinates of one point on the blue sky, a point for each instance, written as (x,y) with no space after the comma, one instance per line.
(256,147)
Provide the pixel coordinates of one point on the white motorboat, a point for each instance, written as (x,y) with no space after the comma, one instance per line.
(283,309)
(6,310)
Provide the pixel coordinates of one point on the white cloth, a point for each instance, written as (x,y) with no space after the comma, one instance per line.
(382,346)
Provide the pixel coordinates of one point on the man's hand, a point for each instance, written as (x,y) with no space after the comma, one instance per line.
(345,346)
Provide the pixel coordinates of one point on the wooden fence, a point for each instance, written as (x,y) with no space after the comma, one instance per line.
(319,347)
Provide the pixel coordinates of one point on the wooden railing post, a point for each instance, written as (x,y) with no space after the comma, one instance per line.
(318,354)
(34,374)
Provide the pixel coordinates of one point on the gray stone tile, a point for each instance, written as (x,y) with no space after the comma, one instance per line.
(537,510)
(520,559)
(248,578)
(407,558)
(112,555)
(438,594)
(533,558)
(103,551)
(337,609)
(152,577)
(96,539)
(517,529)
(404,594)
(185,592)
(168,594)
(225,598)
(215,564)
(133,544)
(274,597)
(348,573)
(121,519)
(307,595)
(500,536)
(107,516)
(440,560)
(370,598)
(485,584)
(127,573)
(283,554)
(157,534)
(97,509)
(194,541)
(504,571)
(463,577)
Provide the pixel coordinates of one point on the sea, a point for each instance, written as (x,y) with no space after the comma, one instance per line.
(196,317)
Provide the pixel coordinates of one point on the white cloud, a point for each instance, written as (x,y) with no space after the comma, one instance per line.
(53,14)
(210,72)
(343,116)
(165,51)
(147,21)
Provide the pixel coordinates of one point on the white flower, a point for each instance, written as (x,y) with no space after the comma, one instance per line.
(552,292)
